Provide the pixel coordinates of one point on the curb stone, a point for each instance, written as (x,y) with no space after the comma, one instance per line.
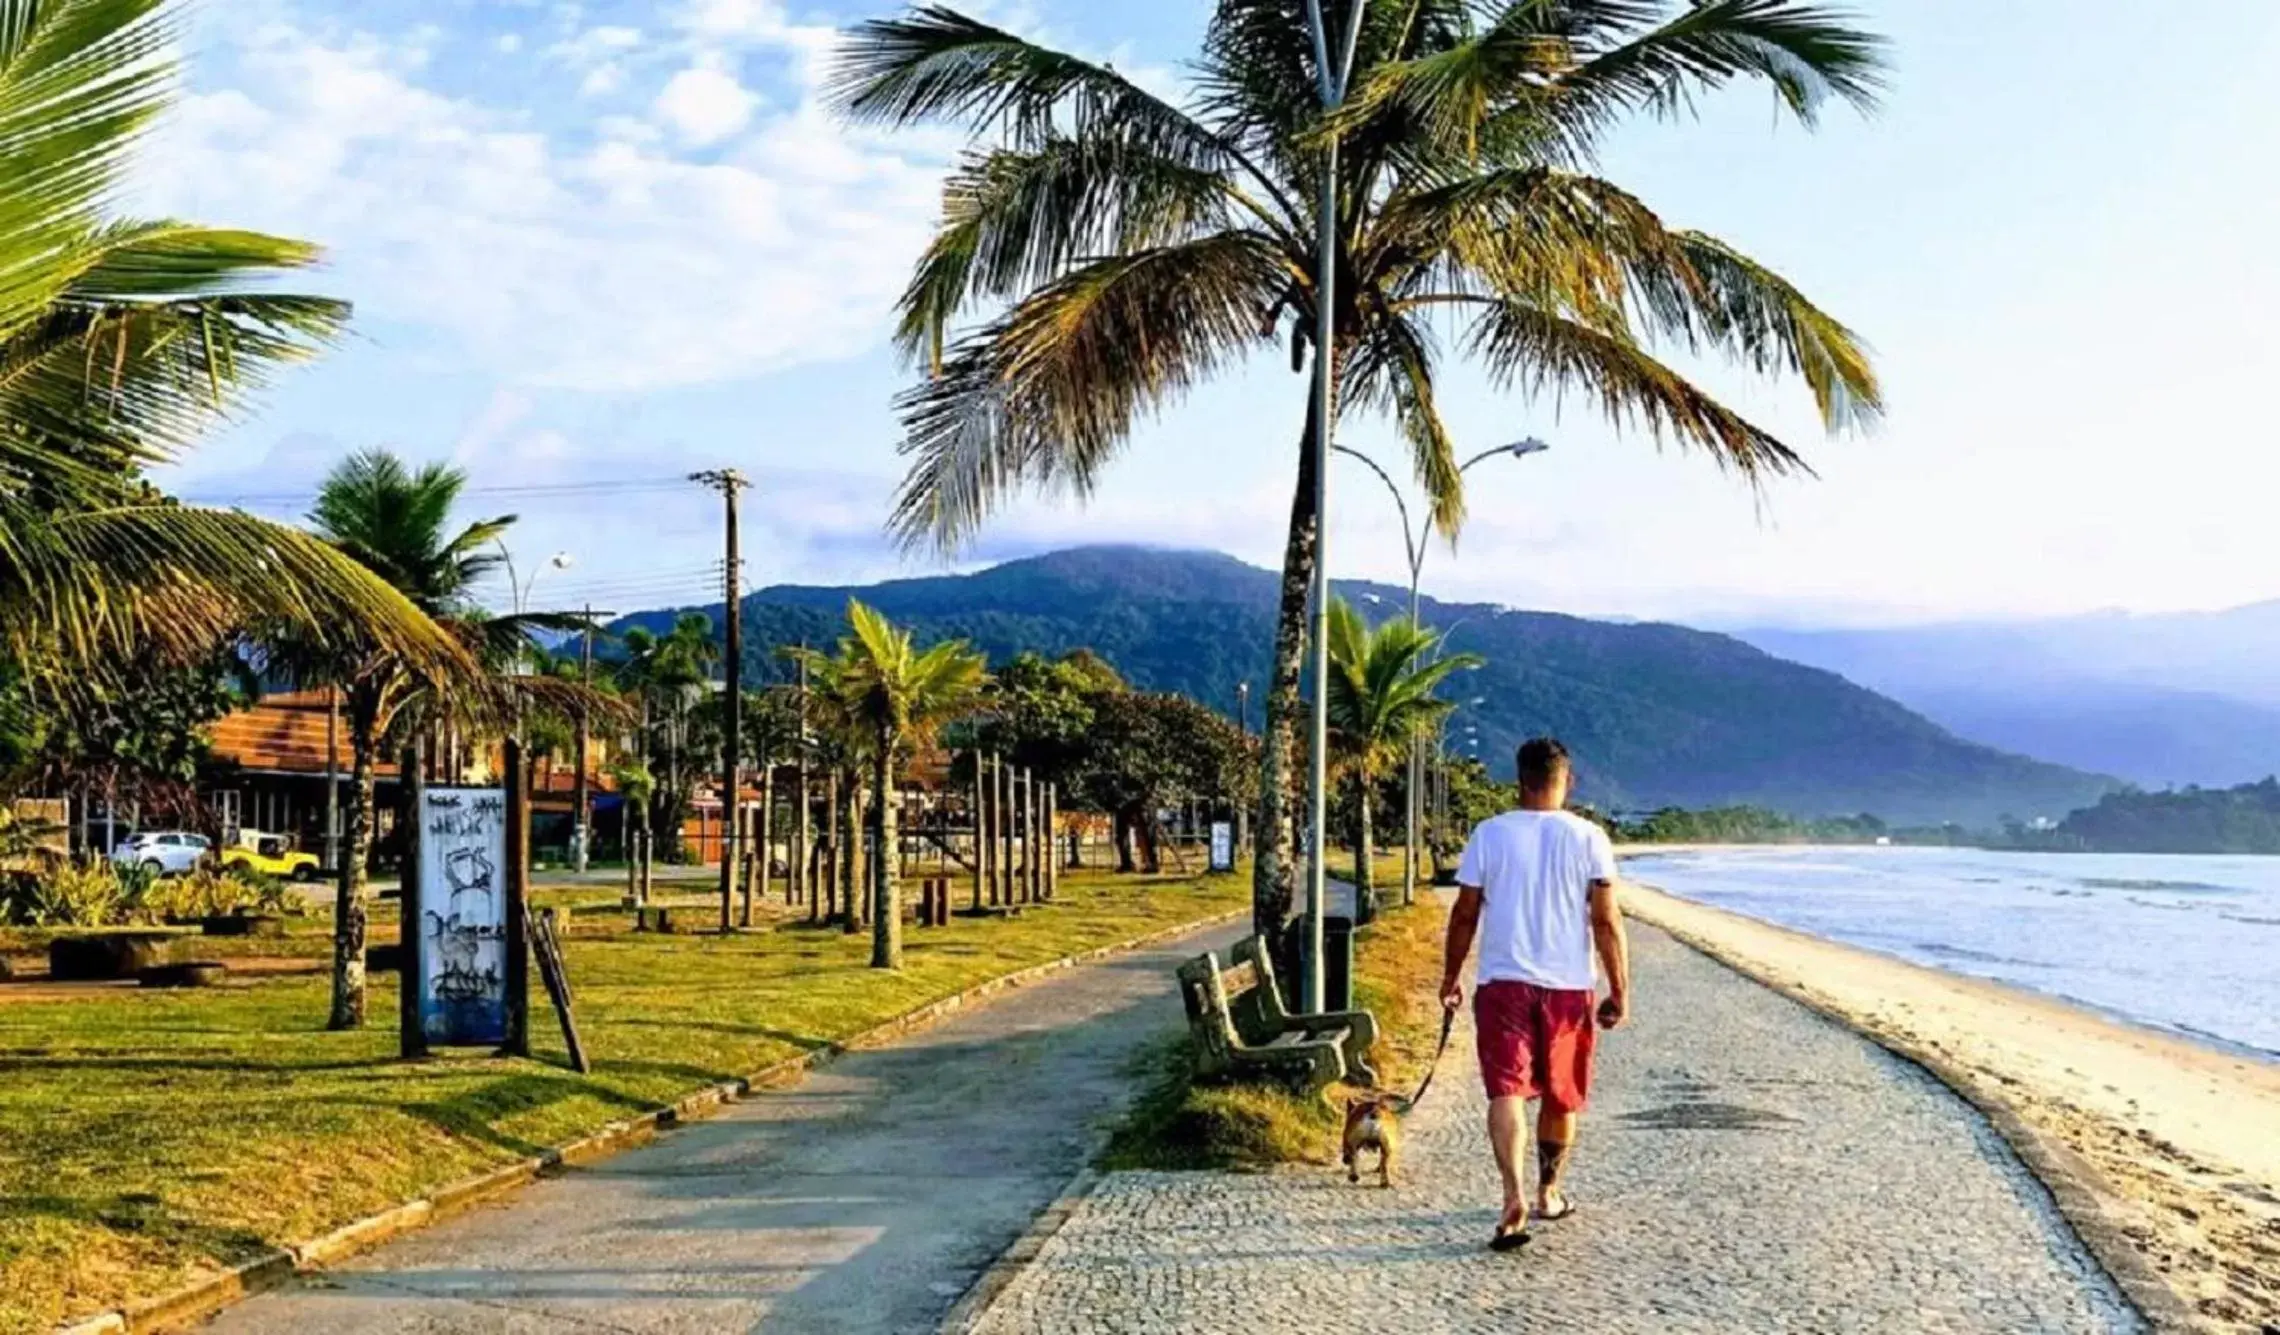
(202,1298)
(965,1317)
(2073,1185)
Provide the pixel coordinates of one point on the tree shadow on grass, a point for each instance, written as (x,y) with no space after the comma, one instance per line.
(144,1216)
(474,1114)
(798,1042)
(241,1064)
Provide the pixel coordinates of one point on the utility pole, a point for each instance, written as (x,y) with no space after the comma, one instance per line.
(728,482)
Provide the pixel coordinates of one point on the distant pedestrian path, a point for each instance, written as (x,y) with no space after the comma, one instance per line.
(1746,1165)
(866,1199)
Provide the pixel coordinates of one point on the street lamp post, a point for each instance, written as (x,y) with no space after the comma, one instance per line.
(1331,74)
(519,593)
(1413,545)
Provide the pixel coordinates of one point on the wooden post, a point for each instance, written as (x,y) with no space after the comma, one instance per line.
(797,863)
(518,903)
(1052,840)
(985,835)
(411,1030)
(1021,832)
(1038,854)
(761,842)
(1005,832)
(978,841)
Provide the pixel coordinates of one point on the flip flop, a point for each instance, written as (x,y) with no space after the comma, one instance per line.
(1509,1237)
(1567,1207)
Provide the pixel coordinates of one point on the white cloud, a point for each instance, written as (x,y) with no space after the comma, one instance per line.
(587,255)
(706,103)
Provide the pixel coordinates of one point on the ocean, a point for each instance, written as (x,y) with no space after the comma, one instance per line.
(2186,944)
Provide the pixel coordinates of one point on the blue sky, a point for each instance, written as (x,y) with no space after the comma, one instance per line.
(595,246)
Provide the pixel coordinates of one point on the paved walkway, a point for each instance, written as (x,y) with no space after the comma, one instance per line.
(1746,1166)
(866,1199)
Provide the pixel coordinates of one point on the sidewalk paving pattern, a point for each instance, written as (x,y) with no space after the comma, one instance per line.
(1746,1166)
(865,1199)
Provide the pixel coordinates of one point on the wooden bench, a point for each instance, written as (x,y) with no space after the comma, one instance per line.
(1305,1061)
(1260,1015)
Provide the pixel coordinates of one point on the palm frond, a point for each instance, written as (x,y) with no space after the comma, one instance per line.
(177,580)
(1016,220)
(1760,317)
(154,338)
(937,64)
(1545,78)
(1809,53)
(1534,235)
(79,80)
(1047,394)
(1545,354)
(1392,369)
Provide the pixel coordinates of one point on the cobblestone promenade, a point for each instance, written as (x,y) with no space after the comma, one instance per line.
(1746,1166)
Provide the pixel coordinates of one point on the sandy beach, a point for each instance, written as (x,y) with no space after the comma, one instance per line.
(2180,1142)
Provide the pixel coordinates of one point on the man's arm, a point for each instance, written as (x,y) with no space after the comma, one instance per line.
(1464,921)
(1614,953)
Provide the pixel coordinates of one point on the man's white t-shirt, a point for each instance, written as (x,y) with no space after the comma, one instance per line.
(1535,870)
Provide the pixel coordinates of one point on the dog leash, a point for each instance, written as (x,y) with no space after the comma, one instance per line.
(1448,1022)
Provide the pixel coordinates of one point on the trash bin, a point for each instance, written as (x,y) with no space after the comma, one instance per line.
(1337,964)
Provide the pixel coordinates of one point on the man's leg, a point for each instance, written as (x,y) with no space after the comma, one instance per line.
(1568,1037)
(1506,1117)
(1555,1136)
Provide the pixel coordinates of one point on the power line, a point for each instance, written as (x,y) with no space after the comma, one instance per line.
(534,489)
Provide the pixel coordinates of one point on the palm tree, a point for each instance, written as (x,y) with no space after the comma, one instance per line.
(1122,247)
(395,522)
(901,696)
(1381,699)
(120,343)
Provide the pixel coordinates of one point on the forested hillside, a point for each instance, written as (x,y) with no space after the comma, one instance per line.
(1658,715)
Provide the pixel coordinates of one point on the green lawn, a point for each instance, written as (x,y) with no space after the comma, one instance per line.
(145,1135)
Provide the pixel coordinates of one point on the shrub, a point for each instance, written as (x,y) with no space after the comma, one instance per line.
(211,893)
(86,893)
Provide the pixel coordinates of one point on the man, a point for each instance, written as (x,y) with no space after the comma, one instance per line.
(1544,881)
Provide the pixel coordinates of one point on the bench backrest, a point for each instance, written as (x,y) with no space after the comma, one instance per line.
(1267,995)
(1209,1019)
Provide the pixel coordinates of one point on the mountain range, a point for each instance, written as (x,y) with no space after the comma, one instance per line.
(1657,714)
(2161,700)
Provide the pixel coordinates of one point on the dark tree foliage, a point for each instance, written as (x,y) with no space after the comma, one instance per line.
(2242,820)
(1147,751)
(142,743)
(1744,825)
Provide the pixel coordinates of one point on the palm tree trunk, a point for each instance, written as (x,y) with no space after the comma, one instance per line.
(1274,839)
(851,854)
(349,917)
(886,913)
(1365,883)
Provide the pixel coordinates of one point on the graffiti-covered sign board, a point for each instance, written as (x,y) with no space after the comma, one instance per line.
(461,969)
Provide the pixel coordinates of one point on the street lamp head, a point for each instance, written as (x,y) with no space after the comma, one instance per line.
(560,561)
(1522,448)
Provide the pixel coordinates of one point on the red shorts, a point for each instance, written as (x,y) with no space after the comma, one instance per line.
(1535,1042)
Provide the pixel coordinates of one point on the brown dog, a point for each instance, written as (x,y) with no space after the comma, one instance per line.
(1373,1122)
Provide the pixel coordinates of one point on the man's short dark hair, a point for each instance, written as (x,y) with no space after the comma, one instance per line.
(1542,760)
